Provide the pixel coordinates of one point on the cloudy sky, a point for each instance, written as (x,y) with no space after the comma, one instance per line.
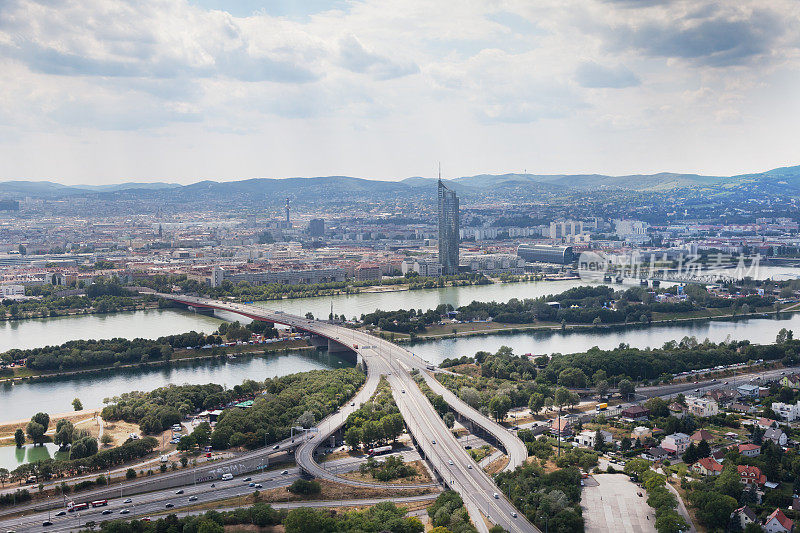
(103,91)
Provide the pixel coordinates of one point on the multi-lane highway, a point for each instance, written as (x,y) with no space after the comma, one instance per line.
(447,457)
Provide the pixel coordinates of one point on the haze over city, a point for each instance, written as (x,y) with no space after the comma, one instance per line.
(106,91)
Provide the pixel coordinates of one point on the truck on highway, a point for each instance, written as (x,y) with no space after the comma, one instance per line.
(379,450)
(601,407)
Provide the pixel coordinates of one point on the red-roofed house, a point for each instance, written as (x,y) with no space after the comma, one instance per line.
(766,423)
(702,435)
(707,467)
(778,522)
(751,475)
(750,450)
(560,426)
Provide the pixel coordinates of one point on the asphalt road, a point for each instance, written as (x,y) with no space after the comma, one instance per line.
(385,358)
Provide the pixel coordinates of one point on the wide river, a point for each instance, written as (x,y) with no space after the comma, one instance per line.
(54,395)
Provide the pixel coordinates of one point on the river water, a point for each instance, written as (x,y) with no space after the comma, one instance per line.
(54,395)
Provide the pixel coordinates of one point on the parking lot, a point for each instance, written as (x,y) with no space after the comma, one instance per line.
(610,503)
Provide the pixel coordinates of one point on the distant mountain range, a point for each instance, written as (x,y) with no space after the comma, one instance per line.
(344,189)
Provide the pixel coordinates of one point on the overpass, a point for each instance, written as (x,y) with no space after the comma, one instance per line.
(435,441)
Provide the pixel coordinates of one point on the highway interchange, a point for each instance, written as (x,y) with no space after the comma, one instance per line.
(435,441)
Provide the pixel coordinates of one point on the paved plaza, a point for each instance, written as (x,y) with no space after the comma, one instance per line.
(610,503)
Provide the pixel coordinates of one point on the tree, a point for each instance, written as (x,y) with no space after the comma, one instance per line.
(77,405)
(599,441)
(471,396)
(209,526)
(658,407)
(19,438)
(130,473)
(561,397)
(65,432)
(536,402)
(306,420)
(353,437)
(703,449)
(43,419)
(35,432)
(690,456)
(202,433)
(626,388)
(449,420)
(186,443)
(4,475)
(305,519)
(601,388)
(499,406)
(669,521)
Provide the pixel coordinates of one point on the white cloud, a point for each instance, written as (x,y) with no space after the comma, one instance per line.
(412,80)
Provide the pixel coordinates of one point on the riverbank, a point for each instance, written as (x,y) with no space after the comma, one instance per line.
(473,329)
(180,355)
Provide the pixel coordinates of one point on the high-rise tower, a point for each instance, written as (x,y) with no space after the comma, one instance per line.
(448,229)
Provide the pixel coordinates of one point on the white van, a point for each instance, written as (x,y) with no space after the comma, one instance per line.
(227,477)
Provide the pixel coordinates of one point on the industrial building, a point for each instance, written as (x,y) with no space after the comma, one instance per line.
(546,253)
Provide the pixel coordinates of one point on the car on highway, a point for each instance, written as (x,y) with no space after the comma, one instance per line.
(469,466)
(496,496)
(106,511)
(179,491)
(284,472)
(513,514)
(61,513)
(352,403)
(697,390)
(192,498)
(276,446)
(47,523)
(251,484)
(259,486)
(247,480)
(403,391)
(450,462)
(433,441)
(170,505)
(125,511)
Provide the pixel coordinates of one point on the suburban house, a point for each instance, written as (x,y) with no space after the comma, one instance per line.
(721,396)
(560,427)
(702,406)
(587,438)
(751,475)
(776,435)
(792,381)
(744,515)
(766,423)
(742,407)
(750,450)
(641,432)
(635,413)
(656,453)
(787,411)
(676,443)
(778,522)
(707,466)
(702,435)
(677,410)
(747,390)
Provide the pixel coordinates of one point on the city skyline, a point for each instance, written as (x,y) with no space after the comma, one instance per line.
(186,91)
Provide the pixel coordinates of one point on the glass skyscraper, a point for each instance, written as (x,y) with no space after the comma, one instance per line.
(448,230)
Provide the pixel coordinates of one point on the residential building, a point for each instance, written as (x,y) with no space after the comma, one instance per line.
(778,522)
(707,466)
(792,381)
(776,435)
(368,272)
(316,227)
(641,432)
(747,390)
(448,230)
(587,438)
(560,426)
(677,410)
(656,453)
(635,413)
(702,435)
(702,406)
(676,443)
(12,291)
(423,267)
(743,515)
(751,475)
(750,449)
(787,411)
(766,423)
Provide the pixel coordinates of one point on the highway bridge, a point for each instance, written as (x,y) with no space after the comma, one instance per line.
(434,440)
